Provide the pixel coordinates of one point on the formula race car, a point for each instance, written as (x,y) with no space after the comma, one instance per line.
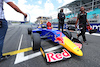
(65,39)
(89,29)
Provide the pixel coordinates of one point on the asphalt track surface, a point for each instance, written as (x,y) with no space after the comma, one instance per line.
(17,38)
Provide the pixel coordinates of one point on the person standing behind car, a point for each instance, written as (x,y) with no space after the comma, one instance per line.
(82,17)
(61,18)
(4,25)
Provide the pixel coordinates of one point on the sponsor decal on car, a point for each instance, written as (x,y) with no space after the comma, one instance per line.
(53,57)
(59,39)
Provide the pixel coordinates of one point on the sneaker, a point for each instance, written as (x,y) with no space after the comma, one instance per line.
(85,42)
(4,58)
(77,36)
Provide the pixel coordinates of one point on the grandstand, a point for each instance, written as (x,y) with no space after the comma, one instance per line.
(42,19)
(92,8)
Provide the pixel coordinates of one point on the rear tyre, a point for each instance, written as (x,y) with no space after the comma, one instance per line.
(36,41)
(29,31)
(68,34)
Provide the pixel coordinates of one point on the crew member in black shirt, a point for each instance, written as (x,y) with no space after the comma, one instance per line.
(61,18)
(82,17)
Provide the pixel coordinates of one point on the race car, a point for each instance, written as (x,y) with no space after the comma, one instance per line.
(88,28)
(65,39)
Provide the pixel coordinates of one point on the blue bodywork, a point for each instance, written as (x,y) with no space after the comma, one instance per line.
(50,34)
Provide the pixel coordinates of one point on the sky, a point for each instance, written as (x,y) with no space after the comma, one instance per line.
(34,9)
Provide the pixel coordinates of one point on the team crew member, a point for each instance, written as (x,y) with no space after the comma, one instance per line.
(4,25)
(61,18)
(82,17)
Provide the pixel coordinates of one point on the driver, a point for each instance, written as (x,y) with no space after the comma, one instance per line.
(49,25)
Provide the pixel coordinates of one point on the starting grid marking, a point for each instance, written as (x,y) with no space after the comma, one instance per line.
(21,58)
(18,51)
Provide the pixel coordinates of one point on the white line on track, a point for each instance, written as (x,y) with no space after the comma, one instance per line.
(32,43)
(20,42)
(95,34)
